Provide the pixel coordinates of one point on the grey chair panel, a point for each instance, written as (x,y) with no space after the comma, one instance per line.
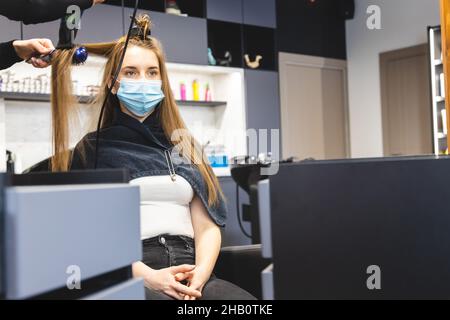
(95,228)
(132,289)
(267,283)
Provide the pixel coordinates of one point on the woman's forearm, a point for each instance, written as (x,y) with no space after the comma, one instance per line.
(141,270)
(207,248)
(207,238)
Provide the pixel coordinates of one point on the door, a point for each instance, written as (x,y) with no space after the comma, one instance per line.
(314,112)
(405,96)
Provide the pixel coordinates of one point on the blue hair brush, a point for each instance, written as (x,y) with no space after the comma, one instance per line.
(66,38)
(80,56)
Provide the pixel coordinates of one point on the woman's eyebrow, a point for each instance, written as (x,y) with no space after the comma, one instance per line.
(135,68)
(130,67)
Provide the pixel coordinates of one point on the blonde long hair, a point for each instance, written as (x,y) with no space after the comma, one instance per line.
(63,103)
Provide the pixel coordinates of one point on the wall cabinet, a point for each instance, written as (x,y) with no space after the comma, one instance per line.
(101,23)
(260,13)
(230,10)
(254,12)
(193,8)
(184,38)
(263,101)
(226,38)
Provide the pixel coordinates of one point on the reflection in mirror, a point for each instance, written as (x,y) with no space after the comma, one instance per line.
(397,103)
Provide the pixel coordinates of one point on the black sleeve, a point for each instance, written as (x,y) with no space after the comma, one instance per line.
(38,11)
(8,55)
(78,161)
(83,154)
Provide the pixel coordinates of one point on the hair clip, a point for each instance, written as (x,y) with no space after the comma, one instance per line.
(137,31)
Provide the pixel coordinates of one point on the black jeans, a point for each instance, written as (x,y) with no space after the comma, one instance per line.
(166,251)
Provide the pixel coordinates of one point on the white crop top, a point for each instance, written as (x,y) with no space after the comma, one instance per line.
(165,206)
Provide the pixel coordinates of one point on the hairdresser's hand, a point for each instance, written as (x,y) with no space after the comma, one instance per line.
(29,49)
(163,280)
(97,1)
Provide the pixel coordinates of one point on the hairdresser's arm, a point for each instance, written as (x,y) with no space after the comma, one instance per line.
(30,49)
(8,55)
(163,280)
(18,50)
(38,11)
(207,247)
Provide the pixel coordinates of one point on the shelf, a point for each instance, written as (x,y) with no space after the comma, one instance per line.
(260,41)
(36,97)
(40,97)
(201,103)
(441,135)
(223,37)
(438,102)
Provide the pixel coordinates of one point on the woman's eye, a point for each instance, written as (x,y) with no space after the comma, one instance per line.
(130,73)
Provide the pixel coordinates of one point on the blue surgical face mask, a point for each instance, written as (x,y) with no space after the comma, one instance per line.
(140,96)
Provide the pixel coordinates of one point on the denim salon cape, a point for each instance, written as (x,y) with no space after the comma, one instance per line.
(140,148)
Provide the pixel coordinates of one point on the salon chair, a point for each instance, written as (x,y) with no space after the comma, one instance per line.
(241,265)
(41,166)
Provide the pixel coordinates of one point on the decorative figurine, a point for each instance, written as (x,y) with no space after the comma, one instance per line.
(172,8)
(211,60)
(226,62)
(252,64)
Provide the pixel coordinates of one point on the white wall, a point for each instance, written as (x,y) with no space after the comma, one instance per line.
(404,24)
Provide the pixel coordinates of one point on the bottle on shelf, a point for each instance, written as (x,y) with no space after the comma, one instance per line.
(195,91)
(207,93)
(183,91)
(217,156)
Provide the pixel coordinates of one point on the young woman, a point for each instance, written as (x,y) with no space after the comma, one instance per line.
(182,205)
